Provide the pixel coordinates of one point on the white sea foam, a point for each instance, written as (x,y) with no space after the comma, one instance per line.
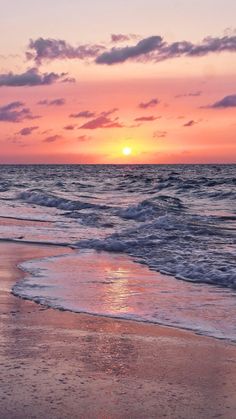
(113,285)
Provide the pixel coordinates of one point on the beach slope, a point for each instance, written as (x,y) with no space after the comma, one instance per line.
(56,364)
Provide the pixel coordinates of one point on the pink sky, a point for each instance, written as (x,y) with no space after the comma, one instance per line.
(84,98)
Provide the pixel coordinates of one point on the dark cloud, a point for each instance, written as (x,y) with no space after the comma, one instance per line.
(159,134)
(156,49)
(190,123)
(226,102)
(52,138)
(102,121)
(54,102)
(27,130)
(146,118)
(31,77)
(153,48)
(50,49)
(15,112)
(150,104)
(120,55)
(190,94)
(83,114)
(70,127)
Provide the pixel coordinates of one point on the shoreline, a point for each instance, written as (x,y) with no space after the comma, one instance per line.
(123,319)
(128,368)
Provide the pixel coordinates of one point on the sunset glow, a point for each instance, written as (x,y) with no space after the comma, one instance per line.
(127,151)
(68,96)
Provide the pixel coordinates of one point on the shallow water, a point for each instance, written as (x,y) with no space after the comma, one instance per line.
(113,285)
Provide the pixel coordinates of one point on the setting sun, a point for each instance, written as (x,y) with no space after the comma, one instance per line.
(127,151)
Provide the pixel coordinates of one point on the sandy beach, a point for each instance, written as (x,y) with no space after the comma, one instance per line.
(56,364)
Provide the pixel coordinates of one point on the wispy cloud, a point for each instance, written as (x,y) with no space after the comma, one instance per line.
(120,37)
(48,49)
(190,123)
(70,127)
(52,138)
(149,104)
(226,102)
(152,48)
(160,134)
(83,138)
(83,114)
(31,77)
(147,118)
(190,94)
(15,112)
(102,122)
(53,102)
(120,55)
(27,130)
(156,49)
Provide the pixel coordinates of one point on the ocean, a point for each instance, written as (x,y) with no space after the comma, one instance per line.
(178,220)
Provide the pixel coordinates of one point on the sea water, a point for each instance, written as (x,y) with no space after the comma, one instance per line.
(179,220)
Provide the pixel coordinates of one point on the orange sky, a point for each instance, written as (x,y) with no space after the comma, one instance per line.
(176,109)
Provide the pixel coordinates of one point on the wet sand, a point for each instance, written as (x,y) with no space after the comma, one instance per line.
(62,365)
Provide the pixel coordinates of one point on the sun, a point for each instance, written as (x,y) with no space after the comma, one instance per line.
(127,151)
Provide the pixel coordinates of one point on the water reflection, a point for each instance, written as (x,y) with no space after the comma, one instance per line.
(113,285)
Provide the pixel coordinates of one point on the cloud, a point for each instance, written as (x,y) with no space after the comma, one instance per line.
(156,49)
(120,55)
(226,102)
(52,138)
(102,121)
(50,49)
(109,112)
(147,118)
(190,94)
(27,130)
(83,114)
(54,102)
(70,127)
(83,138)
(31,77)
(15,112)
(159,134)
(119,37)
(150,104)
(190,123)
(68,80)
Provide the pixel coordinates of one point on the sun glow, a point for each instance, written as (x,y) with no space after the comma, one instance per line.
(127,151)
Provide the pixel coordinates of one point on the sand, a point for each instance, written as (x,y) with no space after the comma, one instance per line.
(57,364)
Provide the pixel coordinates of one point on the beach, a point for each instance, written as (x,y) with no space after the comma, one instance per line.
(57,364)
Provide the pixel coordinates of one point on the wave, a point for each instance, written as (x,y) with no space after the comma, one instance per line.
(39,197)
(185,246)
(159,214)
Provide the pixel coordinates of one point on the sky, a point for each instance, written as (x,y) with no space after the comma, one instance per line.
(99,81)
